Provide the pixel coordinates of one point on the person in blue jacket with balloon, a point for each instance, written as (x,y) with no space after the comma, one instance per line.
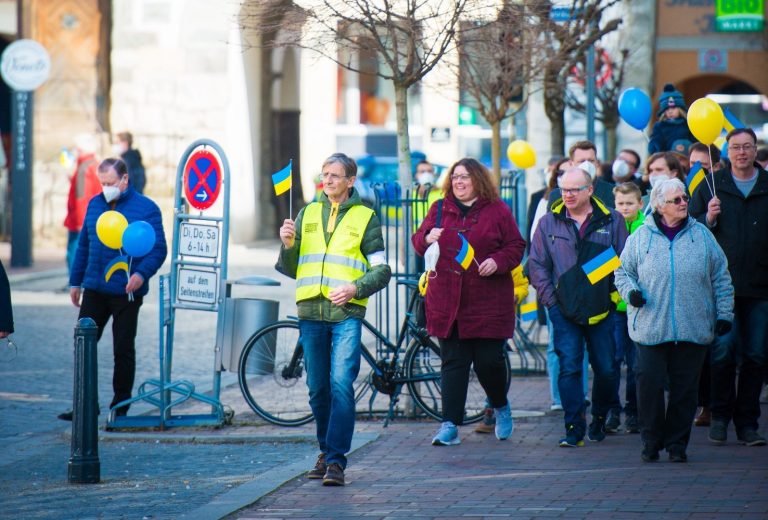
(122,245)
(671,133)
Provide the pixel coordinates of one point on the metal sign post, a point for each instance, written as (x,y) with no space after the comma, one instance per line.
(195,282)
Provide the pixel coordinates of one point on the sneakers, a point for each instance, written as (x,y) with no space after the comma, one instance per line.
(750,437)
(320,468)
(65,416)
(447,435)
(704,417)
(631,425)
(613,422)
(677,455)
(572,438)
(556,408)
(596,431)
(718,432)
(650,453)
(488,424)
(504,423)
(334,475)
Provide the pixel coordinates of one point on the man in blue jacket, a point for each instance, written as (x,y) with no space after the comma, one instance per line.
(120,295)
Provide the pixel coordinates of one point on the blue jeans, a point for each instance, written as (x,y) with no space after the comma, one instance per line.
(553,367)
(332,354)
(744,347)
(569,345)
(72,238)
(625,353)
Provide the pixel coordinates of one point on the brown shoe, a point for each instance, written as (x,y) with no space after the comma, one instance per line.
(334,476)
(704,418)
(488,424)
(318,471)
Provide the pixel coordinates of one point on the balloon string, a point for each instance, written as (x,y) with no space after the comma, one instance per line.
(711,167)
(647,139)
(130,262)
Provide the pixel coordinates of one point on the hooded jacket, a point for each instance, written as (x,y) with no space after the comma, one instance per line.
(685,283)
(92,257)
(83,186)
(480,306)
(558,254)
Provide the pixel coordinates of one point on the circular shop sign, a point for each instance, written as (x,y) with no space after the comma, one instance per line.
(25,65)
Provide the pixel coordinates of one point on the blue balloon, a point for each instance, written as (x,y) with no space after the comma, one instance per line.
(635,108)
(138,238)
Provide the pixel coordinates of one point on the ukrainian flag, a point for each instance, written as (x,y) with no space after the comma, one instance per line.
(529,311)
(118,263)
(731,122)
(466,253)
(282,179)
(695,176)
(602,265)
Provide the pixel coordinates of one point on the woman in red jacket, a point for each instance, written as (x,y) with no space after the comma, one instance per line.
(470,303)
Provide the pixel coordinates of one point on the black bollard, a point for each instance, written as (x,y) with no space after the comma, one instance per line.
(84,466)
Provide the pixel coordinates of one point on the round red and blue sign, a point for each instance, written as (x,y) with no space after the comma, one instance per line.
(202,179)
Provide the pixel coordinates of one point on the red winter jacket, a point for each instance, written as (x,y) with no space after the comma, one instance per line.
(482,307)
(84,184)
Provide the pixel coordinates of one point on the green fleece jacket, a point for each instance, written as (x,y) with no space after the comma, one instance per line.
(632,226)
(377,277)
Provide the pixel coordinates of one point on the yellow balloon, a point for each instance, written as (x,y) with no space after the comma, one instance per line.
(110,227)
(521,153)
(705,120)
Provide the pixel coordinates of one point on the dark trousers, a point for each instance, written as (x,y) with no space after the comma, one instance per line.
(125,315)
(745,348)
(680,364)
(705,381)
(625,353)
(457,355)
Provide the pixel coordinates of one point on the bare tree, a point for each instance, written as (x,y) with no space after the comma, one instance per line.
(609,86)
(409,37)
(497,67)
(566,43)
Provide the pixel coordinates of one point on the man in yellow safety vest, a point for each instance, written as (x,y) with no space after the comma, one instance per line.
(335,250)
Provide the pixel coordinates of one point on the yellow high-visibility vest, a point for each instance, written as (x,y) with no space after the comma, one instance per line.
(323,267)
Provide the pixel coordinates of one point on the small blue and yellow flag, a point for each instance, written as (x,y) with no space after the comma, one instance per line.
(695,176)
(602,265)
(118,263)
(466,253)
(730,121)
(282,179)
(529,311)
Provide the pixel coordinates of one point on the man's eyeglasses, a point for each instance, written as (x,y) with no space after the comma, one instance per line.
(737,148)
(333,177)
(573,191)
(678,200)
(464,178)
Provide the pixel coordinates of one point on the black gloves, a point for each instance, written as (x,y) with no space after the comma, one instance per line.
(723,327)
(636,298)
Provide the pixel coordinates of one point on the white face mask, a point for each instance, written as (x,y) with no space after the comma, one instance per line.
(117,149)
(425,178)
(110,192)
(620,169)
(430,257)
(589,168)
(655,179)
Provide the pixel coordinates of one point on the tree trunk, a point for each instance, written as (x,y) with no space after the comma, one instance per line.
(557,133)
(496,151)
(266,207)
(403,140)
(610,143)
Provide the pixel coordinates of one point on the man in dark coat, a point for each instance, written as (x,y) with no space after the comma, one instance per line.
(734,205)
(6,311)
(132,158)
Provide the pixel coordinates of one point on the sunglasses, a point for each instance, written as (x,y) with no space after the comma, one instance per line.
(678,200)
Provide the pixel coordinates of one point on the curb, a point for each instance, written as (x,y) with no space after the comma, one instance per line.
(246,494)
(37,275)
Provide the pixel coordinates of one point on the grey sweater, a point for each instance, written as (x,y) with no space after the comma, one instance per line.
(685,282)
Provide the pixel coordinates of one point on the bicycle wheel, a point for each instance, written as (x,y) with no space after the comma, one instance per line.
(272,369)
(422,370)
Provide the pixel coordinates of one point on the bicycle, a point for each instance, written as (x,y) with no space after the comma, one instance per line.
(272,368)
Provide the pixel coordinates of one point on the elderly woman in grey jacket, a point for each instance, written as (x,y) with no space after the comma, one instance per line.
(675,279)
